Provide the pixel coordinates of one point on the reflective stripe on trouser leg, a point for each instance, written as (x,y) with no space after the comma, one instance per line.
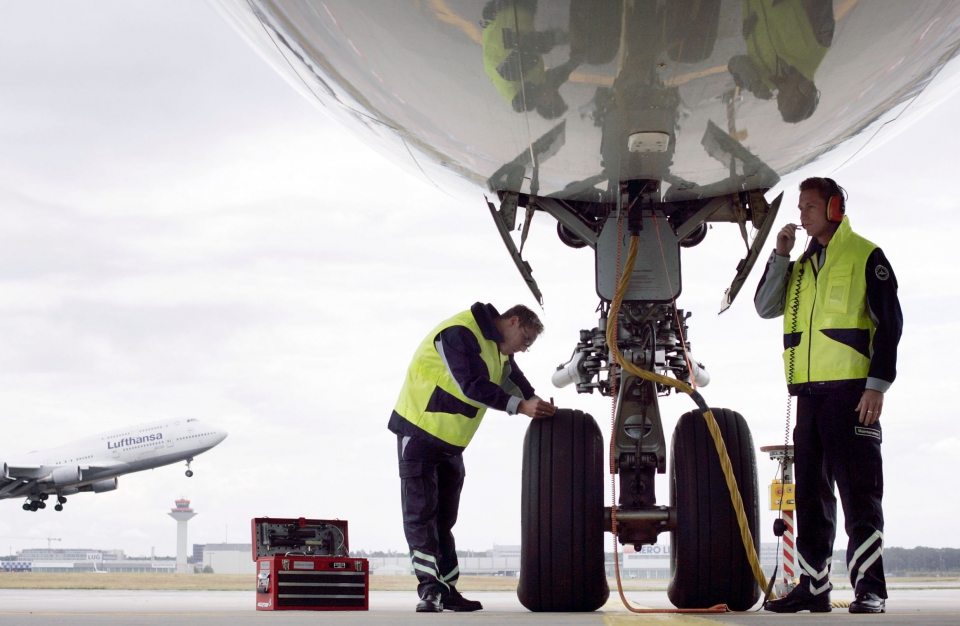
(452,578)
(870,551)
(819,581)
(428,566)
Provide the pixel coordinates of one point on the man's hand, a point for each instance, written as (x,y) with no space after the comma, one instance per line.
(786,238)
(536,408)
(870,406)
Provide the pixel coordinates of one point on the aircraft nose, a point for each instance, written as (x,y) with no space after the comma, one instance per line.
(221,435)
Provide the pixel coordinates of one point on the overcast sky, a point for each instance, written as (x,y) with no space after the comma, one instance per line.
(184,236)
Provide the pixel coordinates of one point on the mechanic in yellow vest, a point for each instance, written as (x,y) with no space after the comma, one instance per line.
(462,367)
(513,58)
(786,42)
(842,324)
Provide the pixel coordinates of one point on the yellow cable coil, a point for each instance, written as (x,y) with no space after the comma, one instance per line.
(712,425)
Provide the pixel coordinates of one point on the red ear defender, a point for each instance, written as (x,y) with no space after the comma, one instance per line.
(835,209)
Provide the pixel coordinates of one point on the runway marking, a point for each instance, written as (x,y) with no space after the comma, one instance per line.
(445,14)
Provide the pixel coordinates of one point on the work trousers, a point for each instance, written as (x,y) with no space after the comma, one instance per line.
(833,447)
(430,484)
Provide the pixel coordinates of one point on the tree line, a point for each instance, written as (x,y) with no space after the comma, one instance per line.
(921,560)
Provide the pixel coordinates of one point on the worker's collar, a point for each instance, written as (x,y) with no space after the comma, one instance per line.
(486,315)
(812,250)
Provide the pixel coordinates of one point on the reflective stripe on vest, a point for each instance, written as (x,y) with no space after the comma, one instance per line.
(431,399)
(834,331)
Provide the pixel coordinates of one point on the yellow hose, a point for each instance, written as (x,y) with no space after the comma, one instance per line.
(712,425)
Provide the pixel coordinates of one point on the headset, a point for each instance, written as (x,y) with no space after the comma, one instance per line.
(837,202)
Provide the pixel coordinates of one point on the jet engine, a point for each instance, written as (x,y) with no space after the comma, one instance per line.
(63,476)
(101,486)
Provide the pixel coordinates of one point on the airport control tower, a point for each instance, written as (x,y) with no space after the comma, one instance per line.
(183,513)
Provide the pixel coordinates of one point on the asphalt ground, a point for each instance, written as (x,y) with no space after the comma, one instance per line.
(929,606)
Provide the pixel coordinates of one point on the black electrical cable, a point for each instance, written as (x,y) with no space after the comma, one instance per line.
(791,367)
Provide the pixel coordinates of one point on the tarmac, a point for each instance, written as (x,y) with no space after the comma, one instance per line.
(924,604)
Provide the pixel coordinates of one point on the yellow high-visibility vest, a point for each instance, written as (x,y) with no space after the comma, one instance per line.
(827,328)
(431,399)
(782,30)
(495,53)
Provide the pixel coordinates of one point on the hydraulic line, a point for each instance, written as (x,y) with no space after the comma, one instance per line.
(712,426)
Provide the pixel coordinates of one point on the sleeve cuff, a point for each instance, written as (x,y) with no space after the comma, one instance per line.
(512,405)
(878,384)
(778,261)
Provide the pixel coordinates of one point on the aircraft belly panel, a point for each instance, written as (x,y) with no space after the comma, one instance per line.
(458,90)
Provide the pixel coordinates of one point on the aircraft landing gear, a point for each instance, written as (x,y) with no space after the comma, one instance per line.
(189,471)
(58,507)
(33,505)
(61,500)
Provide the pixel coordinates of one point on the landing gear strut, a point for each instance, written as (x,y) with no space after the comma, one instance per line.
(35,502)
(709,564)
(61,500)
(189,471)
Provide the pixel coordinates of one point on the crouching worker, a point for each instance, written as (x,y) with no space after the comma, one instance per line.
(842,324)
(462,368)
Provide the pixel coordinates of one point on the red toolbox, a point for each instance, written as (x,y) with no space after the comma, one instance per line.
(304,565)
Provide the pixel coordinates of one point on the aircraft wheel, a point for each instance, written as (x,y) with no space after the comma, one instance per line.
(41,505)
(708,564)
(561,519)
(691,29)
(43,497)
(590,24)
(697,236)
(58,507)
(62,499)
(568,237)
(189,473)
(26,506)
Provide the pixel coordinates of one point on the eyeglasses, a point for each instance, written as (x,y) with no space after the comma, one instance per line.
(527,339)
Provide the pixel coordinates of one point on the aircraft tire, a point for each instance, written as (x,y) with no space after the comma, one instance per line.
(561,519)
(708,564)
(691,29)
(589,23)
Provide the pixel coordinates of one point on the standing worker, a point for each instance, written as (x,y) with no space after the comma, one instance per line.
(462,368)
(841,327)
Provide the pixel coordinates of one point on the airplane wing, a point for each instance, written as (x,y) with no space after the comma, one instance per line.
(105,465)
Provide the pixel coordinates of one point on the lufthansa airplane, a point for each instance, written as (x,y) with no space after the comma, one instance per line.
(94,463)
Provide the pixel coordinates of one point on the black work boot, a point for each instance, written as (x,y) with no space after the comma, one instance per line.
(868,602)
(800,599)
(430,602)
(453,601)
